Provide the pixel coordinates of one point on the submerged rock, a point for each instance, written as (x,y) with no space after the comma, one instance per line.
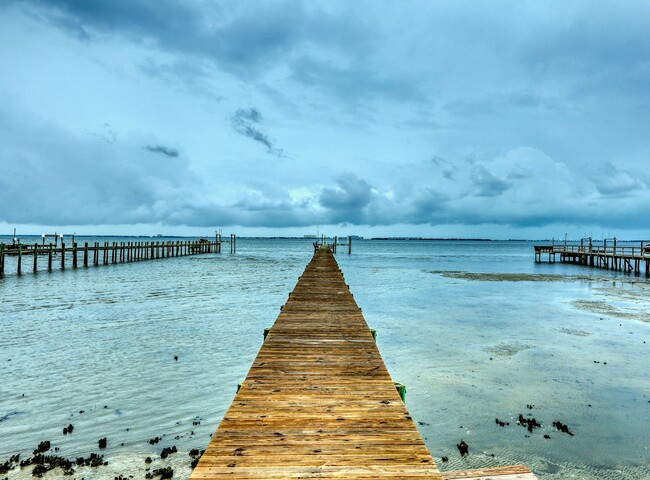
(463,448)
(529,423)
(562,427)
(163,473)
(167,451)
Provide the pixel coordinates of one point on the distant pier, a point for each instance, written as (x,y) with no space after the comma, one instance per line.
(318,401)
(32,257)
(608,254)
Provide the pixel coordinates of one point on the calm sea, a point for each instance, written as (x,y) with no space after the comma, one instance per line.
(476,330)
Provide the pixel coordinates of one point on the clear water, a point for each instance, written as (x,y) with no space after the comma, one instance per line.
(476,331)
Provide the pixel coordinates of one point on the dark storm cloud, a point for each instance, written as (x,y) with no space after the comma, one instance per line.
(163,150)
(349,193)
(612,181)
(246,121)
(347,200)
(487,184)
(246,42)
(240,39)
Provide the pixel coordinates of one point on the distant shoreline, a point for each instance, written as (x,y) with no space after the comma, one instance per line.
(354,238)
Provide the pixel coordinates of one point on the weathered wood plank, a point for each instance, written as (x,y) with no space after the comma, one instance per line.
(513,472)
(318,401)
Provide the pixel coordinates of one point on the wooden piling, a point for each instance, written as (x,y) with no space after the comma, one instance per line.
(62,255)
(233,243)
(74,255)
(35,257)
(85,254)
(2,259)
(49,258)
(20,259)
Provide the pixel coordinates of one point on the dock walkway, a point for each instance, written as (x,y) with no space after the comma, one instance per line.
(318,401)
(627,258)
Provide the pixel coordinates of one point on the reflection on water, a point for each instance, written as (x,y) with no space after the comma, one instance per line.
(96,348)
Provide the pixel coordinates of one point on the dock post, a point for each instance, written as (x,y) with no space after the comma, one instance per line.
(49,259)
(85,254)
(62,255)
(35,257)
(349,244)
(401,389)
(74,255)
(20,258)
(336,240)
(105,253)
(2,259)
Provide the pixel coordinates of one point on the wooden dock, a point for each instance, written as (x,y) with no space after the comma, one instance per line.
(609,255)
(103,253)
(318,401)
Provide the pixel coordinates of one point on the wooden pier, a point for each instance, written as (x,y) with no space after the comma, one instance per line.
(318,401)
(609,255)
(103,253)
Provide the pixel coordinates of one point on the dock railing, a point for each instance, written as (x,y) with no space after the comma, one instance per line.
(609,254)
(104,253)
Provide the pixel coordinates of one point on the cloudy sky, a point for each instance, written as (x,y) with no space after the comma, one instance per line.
(501,119)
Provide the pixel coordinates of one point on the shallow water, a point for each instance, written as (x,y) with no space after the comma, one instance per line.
(476,331)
